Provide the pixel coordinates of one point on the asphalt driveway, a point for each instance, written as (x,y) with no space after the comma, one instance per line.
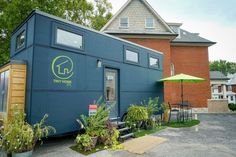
(214,137)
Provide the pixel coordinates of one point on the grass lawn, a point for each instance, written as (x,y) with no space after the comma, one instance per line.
(96,149)
(182,124)
(143,132)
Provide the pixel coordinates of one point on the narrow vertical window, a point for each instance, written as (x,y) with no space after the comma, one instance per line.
(124,22)
(20,40)
(4,78)
(172,69)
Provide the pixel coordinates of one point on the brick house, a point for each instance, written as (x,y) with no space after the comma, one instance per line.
(184,52)
(231,88)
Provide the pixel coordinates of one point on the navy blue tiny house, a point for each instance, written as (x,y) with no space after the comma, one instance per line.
(69,66)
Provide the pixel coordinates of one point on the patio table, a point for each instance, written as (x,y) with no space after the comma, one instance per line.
(184,108)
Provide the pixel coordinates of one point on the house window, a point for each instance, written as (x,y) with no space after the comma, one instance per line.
(20,40)
(172,69)
(154,62)
(131,56)
(4,78)
(124,22)
(149,23)
(69,39)
(232,98)
(229,88)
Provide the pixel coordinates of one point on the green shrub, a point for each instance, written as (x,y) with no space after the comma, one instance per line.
(18,136)
(96,122)
(84,142)
(232,107)
(151,105)
(136,116)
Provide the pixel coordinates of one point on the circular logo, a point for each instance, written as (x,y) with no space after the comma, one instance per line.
(62,67)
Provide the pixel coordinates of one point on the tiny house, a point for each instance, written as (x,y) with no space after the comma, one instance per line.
(59,68)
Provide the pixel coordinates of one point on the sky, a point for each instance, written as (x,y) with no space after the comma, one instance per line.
(215,20)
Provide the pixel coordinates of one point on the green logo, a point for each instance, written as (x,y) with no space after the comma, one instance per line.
(62,67)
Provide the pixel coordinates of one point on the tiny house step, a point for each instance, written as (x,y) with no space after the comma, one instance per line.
(124,129)
(126,136)
(114,119)
(118,124)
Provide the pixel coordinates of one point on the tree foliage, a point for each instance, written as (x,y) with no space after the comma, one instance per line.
(224,66)
(13,12)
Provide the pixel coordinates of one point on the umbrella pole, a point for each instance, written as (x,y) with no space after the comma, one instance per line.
(182,97)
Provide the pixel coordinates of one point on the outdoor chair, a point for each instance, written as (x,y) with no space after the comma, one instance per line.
(173,108)
(189,111)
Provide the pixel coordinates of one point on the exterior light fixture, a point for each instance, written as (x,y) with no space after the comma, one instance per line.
(99,63)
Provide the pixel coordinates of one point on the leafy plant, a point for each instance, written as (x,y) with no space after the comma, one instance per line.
(232,107)
(18,136)
(151,105)
(96,122)
(136,116)
(84,142)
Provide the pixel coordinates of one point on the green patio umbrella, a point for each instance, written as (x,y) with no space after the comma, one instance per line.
(183,78)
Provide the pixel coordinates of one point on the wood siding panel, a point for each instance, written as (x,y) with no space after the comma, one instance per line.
(16,88)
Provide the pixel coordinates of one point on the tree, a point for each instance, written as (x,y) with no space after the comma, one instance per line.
(13,12)
(223,66)
(102,14)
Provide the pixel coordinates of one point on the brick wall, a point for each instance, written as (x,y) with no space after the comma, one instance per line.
(193,61)
(234,88)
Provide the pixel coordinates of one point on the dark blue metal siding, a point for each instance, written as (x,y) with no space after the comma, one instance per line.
(66,102)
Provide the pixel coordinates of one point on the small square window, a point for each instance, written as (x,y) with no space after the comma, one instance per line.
(20,40)
(69,39)
(131,56)
(154,62)
(149,23)
(124,22)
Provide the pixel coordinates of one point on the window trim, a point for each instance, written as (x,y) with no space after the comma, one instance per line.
(69,29)
(131,50)
(124,26)
(149,63)
(152,21)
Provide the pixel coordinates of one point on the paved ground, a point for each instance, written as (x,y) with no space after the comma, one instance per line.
(214,137)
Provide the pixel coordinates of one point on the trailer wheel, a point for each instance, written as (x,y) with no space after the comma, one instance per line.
(124,117)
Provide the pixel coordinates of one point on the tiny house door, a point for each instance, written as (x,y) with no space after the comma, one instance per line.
(111,91)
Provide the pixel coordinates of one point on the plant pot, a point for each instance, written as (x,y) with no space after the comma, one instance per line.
(3,154)
(95,140)
(24,154)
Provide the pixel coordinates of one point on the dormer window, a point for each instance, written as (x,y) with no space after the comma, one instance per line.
(124,22)
(149,23)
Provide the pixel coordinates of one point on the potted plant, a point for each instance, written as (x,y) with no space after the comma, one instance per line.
(84,142)
(93,124)
(19,138)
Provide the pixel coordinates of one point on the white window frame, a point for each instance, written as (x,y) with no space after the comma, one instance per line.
(127,22)
(154,66)
(131,61)
(68,45)
(152,22)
